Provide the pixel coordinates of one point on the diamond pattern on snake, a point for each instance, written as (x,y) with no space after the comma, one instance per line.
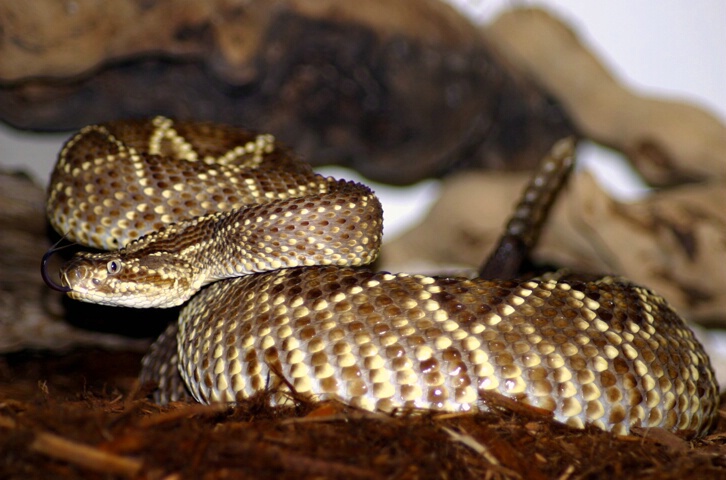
(269,260)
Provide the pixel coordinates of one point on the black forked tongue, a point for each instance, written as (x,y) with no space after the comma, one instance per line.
(44,270)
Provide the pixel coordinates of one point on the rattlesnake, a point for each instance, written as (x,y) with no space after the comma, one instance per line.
(194,203)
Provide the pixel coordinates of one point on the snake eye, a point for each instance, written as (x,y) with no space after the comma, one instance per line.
(113,266)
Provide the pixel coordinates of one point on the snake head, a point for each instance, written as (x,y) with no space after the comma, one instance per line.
(118,280)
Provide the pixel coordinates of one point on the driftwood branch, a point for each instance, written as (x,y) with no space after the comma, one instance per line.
(669,141)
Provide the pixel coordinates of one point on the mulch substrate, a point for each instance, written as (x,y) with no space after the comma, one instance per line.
(83,415)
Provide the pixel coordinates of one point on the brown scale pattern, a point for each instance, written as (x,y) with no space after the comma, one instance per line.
(160,180)
(607,352)
(165,268)
(116,182)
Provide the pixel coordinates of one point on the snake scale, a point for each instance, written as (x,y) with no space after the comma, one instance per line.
(269,258)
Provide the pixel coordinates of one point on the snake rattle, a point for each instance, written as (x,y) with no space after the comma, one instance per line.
(268,257)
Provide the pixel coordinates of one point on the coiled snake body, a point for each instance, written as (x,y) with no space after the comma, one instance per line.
(193,204)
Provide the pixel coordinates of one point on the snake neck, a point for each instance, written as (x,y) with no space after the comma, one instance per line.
(341,227)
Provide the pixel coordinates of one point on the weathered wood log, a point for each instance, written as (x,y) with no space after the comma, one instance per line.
(668,141)
(398,90)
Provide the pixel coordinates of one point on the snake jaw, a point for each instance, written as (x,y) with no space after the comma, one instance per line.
(108,279)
